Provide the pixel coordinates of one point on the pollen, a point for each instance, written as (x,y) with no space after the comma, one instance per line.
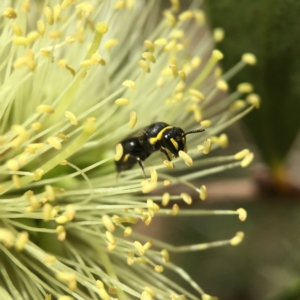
(237,105)
(101,290)
(132,120)
(203,192)
(147,245)
(165,255)
(217,55)
(153,175)
(111,43)
(149,56)
(21,240)
(222,85)
(247,160)
(146,296)
(139,247)
(9,13)
(69,115)
(49,258)
(110,237)
(122,102)
(186,15)
(186,158)
(148,186)
(254,100)
(249,58)
(61,233)
(242,214)
(218,35)
(160,42)
(245,87)
(169,164)
(165,199)
(49,15)
(107,222)
(197,94)
(175,209)
(127,231)
(207,146)
(129,83)
(205,123)
(237,239)
(12,164)
(16,181)
(45,109)
(150,46)
(47,208)
(7,237)
(242,154)
(186,198)
(158,269)
(54,142)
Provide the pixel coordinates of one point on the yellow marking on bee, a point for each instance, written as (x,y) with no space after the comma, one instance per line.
(175,144)
(126,157)
(159,135)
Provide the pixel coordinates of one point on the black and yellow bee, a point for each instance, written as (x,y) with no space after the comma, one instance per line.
(157,136)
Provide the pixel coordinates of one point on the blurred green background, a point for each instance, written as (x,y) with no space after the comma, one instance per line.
(267,264)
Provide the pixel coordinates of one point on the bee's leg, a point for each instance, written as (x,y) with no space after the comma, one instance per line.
(163,150)
(140,162)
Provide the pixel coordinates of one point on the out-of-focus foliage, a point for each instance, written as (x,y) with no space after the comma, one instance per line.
(270,30)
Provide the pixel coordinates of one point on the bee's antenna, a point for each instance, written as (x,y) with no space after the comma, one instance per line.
(194,131)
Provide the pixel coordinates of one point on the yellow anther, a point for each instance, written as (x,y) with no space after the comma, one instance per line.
(203,192)
(110,237)
(54,142)
(165,255)
(223,140)
(41,27)
(186,158)
(7,237)
(160,42)
(127,231)
(237,239)
(45,52)
(102,27)
(254,100)
(150,291)
(153,175)
(242,214)
(49,258)
(207,146)
(97,59)
(87,63)
(146,296)
(66,3)
(101,290)
(237,105)
(147,245)
(71,117)
(186,15)
(222,85)
(208,297)
(175,209)
(148,186)
(55,34)
(197,94)
(47,208)
(107,222)
(122,102)
(129,83)
(12,164)
(54,211)
(64,297)
(205,123)
(200,17)
(149,45)
(170,18)
(37,174)
(168,164)
(167,182)
(20,41)
(132,119)
(247,160)
(85,7)
(56,12)
(249,58)
(130,258)
(9,13)
(149,56)
(69,40)
(21,240)
(89,126)
(186,198)
(49,15)
(50,194)
(16,181)
(245,87)
(61,233)
(217,55)
(111,43)
(121,4)
(165,199)
(45,109)
(119,152)
(218,34)
(16,29)
(182,75)
(70,212)
(196,62)
(170,46)
(158,269)
(139,247)
(240,155)
(174,70)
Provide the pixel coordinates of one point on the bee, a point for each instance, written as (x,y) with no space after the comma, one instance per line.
(157,136)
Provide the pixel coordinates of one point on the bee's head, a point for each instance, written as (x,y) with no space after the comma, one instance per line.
(174,139)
